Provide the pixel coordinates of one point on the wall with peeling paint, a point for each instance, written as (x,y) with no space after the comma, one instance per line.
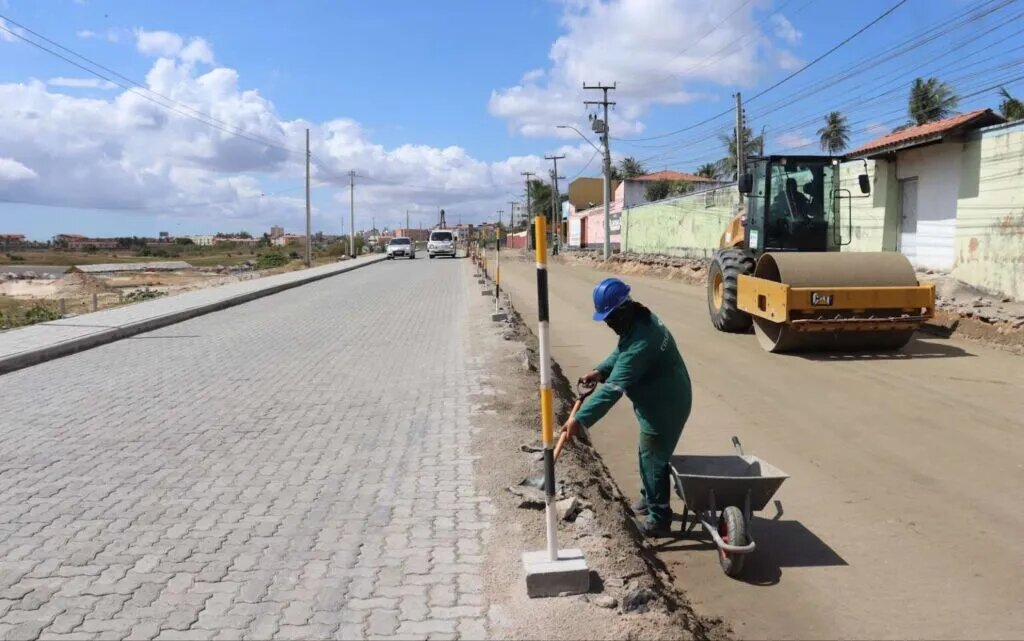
(989,249)
(687,226)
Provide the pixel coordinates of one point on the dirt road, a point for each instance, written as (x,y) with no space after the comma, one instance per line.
(902,515)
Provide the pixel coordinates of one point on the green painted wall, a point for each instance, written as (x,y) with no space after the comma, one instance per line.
(869,224)
(688,226)
(989,245)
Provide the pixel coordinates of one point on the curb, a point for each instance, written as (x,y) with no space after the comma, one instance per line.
(75,345)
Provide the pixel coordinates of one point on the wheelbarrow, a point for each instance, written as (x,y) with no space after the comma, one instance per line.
(722,492)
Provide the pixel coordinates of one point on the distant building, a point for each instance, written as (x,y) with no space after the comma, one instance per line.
(276,232)
(11,241)
(235,240)
(204,240)
(416,235)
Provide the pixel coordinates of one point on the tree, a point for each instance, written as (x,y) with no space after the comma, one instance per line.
(183,241)
(614,174)
(1011,108)
(630,167)
(540,198)
(751,145)
(709,170)
(835,135)
(930,100)
(662,189)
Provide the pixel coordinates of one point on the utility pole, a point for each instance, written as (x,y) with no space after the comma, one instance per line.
(309,222)
(601,127)
(352,213)
(441,223)
(511,215)
(763,130)
(529,209)
(556,202)
(739,140)
(407,221)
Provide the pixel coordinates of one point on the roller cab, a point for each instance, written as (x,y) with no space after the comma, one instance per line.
(785,276)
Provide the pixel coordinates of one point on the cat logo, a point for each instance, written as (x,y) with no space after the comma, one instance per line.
(821,300)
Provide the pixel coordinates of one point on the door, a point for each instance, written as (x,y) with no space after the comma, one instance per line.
(908,218)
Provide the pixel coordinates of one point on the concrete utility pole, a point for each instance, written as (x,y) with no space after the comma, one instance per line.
(352,213)
(511,215)
(529,209)
(309,222)
(407,221)
(739,140)
(556,202)
(601,127)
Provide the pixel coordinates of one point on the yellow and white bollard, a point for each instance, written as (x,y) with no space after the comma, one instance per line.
(550,572)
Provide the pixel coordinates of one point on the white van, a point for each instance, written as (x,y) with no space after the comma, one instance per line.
(441,243)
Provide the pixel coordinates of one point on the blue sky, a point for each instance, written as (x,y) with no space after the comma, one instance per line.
(434,104)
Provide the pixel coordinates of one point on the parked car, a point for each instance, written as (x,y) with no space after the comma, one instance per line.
(401,246)
(441,243)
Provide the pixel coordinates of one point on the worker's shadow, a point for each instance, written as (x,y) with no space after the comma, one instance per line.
(780,544)
(915,349)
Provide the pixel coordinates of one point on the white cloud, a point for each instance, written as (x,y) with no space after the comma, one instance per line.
(110,35)
(158,43)
(5,35)
(13,171)
(124,152)
(197,50)
(81,83)
(785,30)
(793,140)
(656,50)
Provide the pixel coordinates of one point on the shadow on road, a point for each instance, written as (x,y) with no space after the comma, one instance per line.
(780,544)
(915,349)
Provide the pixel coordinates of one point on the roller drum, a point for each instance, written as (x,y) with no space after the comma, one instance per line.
(819,269)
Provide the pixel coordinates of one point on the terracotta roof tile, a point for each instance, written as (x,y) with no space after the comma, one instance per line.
(922,133)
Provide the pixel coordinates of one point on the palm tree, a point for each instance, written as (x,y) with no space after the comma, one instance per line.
(540,198)
(835,135)
(931,100)
(751,145)
(1011,108)
(708,170)
(630,167)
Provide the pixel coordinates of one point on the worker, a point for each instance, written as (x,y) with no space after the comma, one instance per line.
(647,367)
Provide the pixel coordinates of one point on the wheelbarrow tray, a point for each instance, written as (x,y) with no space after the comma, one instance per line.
(730,477)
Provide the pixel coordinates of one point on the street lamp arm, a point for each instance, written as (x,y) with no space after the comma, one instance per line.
(580,134)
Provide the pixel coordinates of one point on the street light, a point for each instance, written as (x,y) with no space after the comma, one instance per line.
(607,185)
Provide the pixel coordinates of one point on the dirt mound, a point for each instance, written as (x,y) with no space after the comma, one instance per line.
(77,284)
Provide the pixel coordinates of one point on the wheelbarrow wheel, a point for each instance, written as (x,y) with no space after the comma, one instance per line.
(733,530)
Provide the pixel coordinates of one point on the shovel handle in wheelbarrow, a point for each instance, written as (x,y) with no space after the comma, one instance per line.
(583,390)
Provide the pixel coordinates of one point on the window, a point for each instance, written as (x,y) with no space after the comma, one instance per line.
(399,241)
(441,236)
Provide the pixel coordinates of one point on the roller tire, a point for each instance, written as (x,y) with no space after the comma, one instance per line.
(723,289)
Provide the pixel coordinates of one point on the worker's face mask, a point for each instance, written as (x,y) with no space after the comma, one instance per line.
(621,319)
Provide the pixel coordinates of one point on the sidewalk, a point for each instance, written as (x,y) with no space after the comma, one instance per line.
(45,341)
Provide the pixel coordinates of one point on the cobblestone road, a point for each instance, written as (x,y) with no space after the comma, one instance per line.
(295,467)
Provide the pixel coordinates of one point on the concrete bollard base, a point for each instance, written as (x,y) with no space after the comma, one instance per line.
(499,316)
(545,578)
(487,292)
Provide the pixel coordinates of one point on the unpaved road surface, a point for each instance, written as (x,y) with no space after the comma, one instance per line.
(902,516)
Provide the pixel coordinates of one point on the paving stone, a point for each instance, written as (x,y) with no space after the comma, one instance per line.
(256,492)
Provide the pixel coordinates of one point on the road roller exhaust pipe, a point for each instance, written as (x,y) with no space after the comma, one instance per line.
(834,301)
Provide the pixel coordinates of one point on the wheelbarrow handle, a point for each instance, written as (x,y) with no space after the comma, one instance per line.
(736,444)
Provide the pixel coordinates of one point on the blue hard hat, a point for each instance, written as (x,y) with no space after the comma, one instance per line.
(608,295)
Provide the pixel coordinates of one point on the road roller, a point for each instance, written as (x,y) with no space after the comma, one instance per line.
(780,268)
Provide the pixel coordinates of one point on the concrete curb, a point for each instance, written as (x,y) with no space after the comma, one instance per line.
(66,348)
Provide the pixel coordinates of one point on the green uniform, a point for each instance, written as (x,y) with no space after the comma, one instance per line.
(646,367)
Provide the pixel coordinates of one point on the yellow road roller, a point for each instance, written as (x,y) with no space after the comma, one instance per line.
(780,268)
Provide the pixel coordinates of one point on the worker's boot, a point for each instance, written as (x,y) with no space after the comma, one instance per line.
(639,506)
(655,530)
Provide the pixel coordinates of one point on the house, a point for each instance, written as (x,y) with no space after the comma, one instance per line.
(11,241)
(202,240)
